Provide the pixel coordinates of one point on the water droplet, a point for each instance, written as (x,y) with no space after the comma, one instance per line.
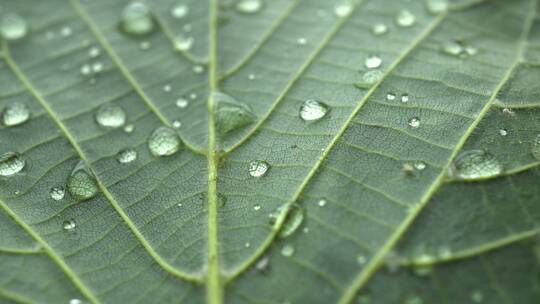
(257,207)
(292,222)
(258,168)
(407,168)
(392,262)
(249,6)
(66,31)
(437,6)
(167,88)
(86,69)
(322,202)
(75,301)
(193,96)
(15,114)
(414,300)
(369,78)
(444,252)
(262,264)
(182,103)
(247,244)
(508,111)
(97,67)
(414,122)
(231,114)
(183,43)
(129,128)
(313,110)
(373,62)
(251,76)
(420,165)
(343,9)
(404,98)
(81,183)
(390,96)
(302,41)
(126,155)
(458,48)
(379,29)
(475,164)
(477,296)
(535,147)
(11,163)
(198,69)
(423,270)
(164,141)
(287,250)
(361,259)
(137,19)
(13,27)
(405,18)
(179,11)
(69,225)
(57,193)
(503,132)
(94,52)
(176,124)
(110,116)
(145,45)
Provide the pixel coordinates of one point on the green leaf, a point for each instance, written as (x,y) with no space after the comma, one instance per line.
(250,151)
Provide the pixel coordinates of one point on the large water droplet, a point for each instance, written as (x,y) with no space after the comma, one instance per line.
(313,110)
(13,27)
(369,78)
(57,193)
(164,141)
(405,18)
(292,222)
(437,6)
(373,62)
(535,147)
(258,168)
(287,250)
(15,114)
(81,183)
(137,19)
(126,156)
(179,11)
(475,164)
(249,6)
(110,116)
(11,163)
(69,225)
(231,114)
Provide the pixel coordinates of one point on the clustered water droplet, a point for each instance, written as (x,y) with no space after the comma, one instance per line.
(313,110)
(81,183)
(458,48)
(475,164)
(15,114)
(11,163)
(258,168)
(164,141)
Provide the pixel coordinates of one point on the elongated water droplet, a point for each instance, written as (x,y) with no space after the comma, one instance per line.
(69,225)
(110,116)
(379,29)
(15,114)
(126,156)
(369,78)
(343,9)
(405,18)
(535,147)
(81,183)
(249,6)
(57,193)
(258,168)
(414,122)
(13,27)
(231,114)
(292,222)
(313,110)
(437,6)
(179,11)
(458,48)
(137,19)
(475,164)
(11,163)
(164,141)
(287,250)
(373,62)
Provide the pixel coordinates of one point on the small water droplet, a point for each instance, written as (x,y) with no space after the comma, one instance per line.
(94,52)
(414,122)
(477,296)
(86,69)
(508,111)
(437,6)
(183,43)
(302,41)
(419,165)
(294,219)
(458,48)
(179,11)
(15,114)
(263,263)
(231,114)
(369,78)
(81,183)
(405,18)
(193,96)
(373,62)
(145,45)
(390,96)
(257,207)
(405,98)
(379,29)
(343,9)
(313,110)
(503,132)
(414,300)
(423,270)
(392,261)
(475,164)
(57,193)
(167,88)
(535,147)
(182,103)
(176,124)
(75,301)
(110,116)
(247,244)
(251,76)
(11,163)
(69,225)
(287,250)
(249,6)
(126,155)
(198,69)
(444,252)
(97,67)
(13,27)
(66,31)
(137,19)
(164,141)
(258,168)
(361,259)
(129,128)
(408,168)
(322,202)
